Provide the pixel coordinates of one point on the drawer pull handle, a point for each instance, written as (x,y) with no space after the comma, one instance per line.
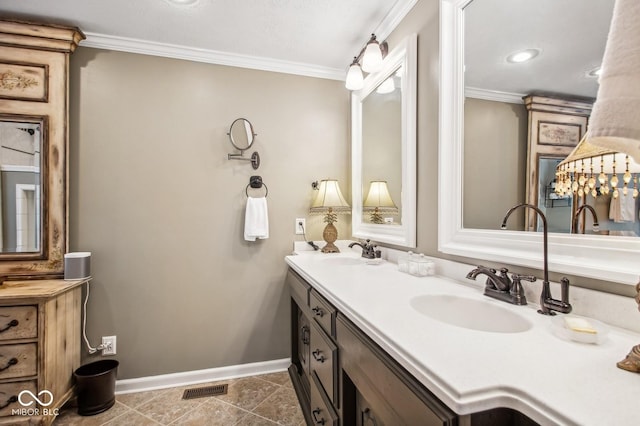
(318,311)
(367,418)
(305,334)
(12,323)
(317,355)
(12,361)
(9,402)
(315,418)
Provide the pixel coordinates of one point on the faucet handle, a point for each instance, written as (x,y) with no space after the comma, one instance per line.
(519,277)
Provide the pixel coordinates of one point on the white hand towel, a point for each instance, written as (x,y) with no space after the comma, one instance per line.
(256,219)
(623,208)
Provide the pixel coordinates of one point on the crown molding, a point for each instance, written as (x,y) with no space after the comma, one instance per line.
(393,18)
(144,47)
(493,95)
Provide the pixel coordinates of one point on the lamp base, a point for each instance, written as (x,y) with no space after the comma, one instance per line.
(632,361)
(330,235)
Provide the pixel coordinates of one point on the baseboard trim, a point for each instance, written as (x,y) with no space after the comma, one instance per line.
(186,378)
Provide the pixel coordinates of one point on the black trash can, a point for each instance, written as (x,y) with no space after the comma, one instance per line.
(96,386)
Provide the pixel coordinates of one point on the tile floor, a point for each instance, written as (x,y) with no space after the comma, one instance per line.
(264,400)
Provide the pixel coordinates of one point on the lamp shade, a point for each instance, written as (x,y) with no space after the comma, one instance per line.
(379,197)
(372,58)
(614,122)
(355,79)
(329,196)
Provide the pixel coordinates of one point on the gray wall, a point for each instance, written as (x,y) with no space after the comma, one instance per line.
(154,198)
(494,134)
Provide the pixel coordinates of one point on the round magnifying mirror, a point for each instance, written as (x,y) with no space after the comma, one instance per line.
(241,134)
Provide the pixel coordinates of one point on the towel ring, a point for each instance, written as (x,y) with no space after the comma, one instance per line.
(256,182)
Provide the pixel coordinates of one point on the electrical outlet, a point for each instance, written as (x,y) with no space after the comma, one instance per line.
(108,345)
(300,228)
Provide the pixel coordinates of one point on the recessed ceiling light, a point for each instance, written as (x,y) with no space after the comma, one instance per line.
(523,55)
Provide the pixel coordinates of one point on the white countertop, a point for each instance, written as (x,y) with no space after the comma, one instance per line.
(551,380)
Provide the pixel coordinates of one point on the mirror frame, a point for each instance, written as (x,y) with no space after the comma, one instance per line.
(604,258)
(405,55)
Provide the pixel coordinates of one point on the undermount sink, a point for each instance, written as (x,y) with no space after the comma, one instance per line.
(344,261)
(470,313)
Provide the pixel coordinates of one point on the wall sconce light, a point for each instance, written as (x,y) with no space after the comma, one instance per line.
(371,56)
(379,201)
(330,202)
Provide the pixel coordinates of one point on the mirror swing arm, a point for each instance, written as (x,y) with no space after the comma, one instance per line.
(598,257)
(402,56)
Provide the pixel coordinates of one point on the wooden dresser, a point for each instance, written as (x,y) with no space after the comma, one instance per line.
(39,348)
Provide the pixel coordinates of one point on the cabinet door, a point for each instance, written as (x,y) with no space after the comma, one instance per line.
(304,340)
(393,396)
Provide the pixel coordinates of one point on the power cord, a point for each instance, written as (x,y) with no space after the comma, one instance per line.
(304,235)
(84,326)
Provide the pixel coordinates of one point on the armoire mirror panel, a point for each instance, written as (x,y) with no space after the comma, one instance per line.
(383,115)
(34,60)
(465,229)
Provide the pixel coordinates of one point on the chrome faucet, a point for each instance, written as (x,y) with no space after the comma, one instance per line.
(596,226)
(548,305)
(368,249)
(502,287)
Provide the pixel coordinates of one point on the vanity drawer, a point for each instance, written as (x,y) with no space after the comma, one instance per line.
(18,360)
(323,313)
(9,395)
(299,288)
(324,362)
(18,322)
(322,413)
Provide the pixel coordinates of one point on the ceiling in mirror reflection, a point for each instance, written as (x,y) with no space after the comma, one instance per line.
(569,34)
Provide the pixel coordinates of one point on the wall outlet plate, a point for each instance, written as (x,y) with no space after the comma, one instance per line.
(300,229)
(108,345)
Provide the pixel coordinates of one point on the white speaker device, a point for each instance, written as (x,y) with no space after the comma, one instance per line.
(77,265)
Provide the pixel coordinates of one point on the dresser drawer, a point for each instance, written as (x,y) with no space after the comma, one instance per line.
(18,360)
(299,288)
(323,313)
(322,413)
(18,322)
(324,361)
(9,395)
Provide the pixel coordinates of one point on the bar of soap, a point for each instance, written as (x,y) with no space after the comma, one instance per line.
(580,325)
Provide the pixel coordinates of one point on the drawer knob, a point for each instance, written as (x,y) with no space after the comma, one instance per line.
(318,311)
(315,413)
(9,401)
(12,361)
(317,355)
(12,323)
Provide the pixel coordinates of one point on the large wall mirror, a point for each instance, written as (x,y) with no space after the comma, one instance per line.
(470,216)
(383,115)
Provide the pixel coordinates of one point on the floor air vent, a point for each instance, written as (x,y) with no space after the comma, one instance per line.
(205,391)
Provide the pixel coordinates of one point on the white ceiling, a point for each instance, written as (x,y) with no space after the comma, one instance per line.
(308,37)
(571,35)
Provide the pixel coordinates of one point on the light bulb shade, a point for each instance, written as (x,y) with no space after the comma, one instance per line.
(379,197)
(355,79)
(614,123)
(372,58)
(329,196)
(386,86)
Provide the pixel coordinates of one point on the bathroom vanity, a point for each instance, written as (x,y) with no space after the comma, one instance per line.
(367,349)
